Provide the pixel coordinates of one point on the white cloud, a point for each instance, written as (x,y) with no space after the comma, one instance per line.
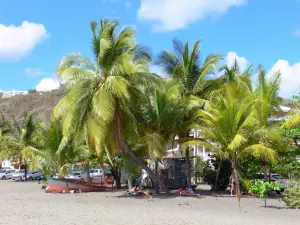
(290,74)
(296,33)
(17,41)
(232,56)
(290,77)
(48,84)
(34,72)
(177,14)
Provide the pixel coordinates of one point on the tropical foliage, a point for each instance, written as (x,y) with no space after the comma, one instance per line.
(262,188)
(292,195)
(115,111)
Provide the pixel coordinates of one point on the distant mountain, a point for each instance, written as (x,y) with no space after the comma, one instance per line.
(40,102)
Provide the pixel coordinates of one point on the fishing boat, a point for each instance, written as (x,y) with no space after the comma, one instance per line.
(56,185)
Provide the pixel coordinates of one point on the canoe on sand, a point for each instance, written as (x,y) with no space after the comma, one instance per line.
(56,185)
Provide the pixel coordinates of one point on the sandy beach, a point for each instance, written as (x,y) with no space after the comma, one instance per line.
(25,203)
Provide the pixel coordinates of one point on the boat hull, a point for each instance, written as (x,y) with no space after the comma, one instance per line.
(56,185)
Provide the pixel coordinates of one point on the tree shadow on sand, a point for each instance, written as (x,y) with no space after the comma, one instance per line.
(276,207)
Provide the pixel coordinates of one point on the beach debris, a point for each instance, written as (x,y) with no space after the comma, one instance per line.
(183,204)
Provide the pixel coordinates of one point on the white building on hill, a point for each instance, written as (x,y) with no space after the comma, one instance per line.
(9,94)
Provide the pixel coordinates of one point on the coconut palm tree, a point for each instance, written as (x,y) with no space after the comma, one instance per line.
(183,65)
(5,130)
(267,93)
(228,126)
(267,100)
(161,117)
(234,74)
(95,110)
(5,125)
(27,135)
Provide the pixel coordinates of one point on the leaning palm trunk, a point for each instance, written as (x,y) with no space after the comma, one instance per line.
(216,188)
(117,177)
(145,167)
(129,182)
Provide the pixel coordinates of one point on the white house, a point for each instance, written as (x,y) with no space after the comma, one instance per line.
(198,150)
(6,163)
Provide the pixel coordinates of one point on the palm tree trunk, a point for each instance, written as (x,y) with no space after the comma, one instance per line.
(236,177)
(25,173)
(118,182)
(117,127)
(117,177)
(156,173)
(216,187)
(89,178)
(188,168)
(265,170)
(129,182)
(144,167)
(20,163)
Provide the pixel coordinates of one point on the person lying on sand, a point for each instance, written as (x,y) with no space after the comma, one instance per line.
(131,192)
(187,192)
(190,192)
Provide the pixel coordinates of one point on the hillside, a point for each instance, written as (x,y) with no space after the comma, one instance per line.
(41,102)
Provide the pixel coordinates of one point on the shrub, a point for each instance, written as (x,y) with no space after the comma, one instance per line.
(292,195)
(262,188)
(246,185)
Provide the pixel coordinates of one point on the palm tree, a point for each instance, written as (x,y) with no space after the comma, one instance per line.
(227,125)
(234,74)
(184,66)
(5,131)
(5,125)
(161,117)
(266,101)
(95,110)
(27,135)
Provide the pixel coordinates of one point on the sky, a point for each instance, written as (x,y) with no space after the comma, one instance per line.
(35,35)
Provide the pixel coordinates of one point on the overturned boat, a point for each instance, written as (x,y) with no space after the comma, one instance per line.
(56,185)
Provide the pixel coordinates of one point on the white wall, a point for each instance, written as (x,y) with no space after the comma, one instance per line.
(7,163)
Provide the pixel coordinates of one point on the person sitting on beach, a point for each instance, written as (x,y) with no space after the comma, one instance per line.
(131,192)
(190,192)
(182,192)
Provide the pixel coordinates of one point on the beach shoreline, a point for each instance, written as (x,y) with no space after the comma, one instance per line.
(25,203)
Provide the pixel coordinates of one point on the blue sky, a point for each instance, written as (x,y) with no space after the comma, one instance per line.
(35,35)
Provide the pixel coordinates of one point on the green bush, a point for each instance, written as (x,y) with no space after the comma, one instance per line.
(262,188)
(246,185)
(292,195)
